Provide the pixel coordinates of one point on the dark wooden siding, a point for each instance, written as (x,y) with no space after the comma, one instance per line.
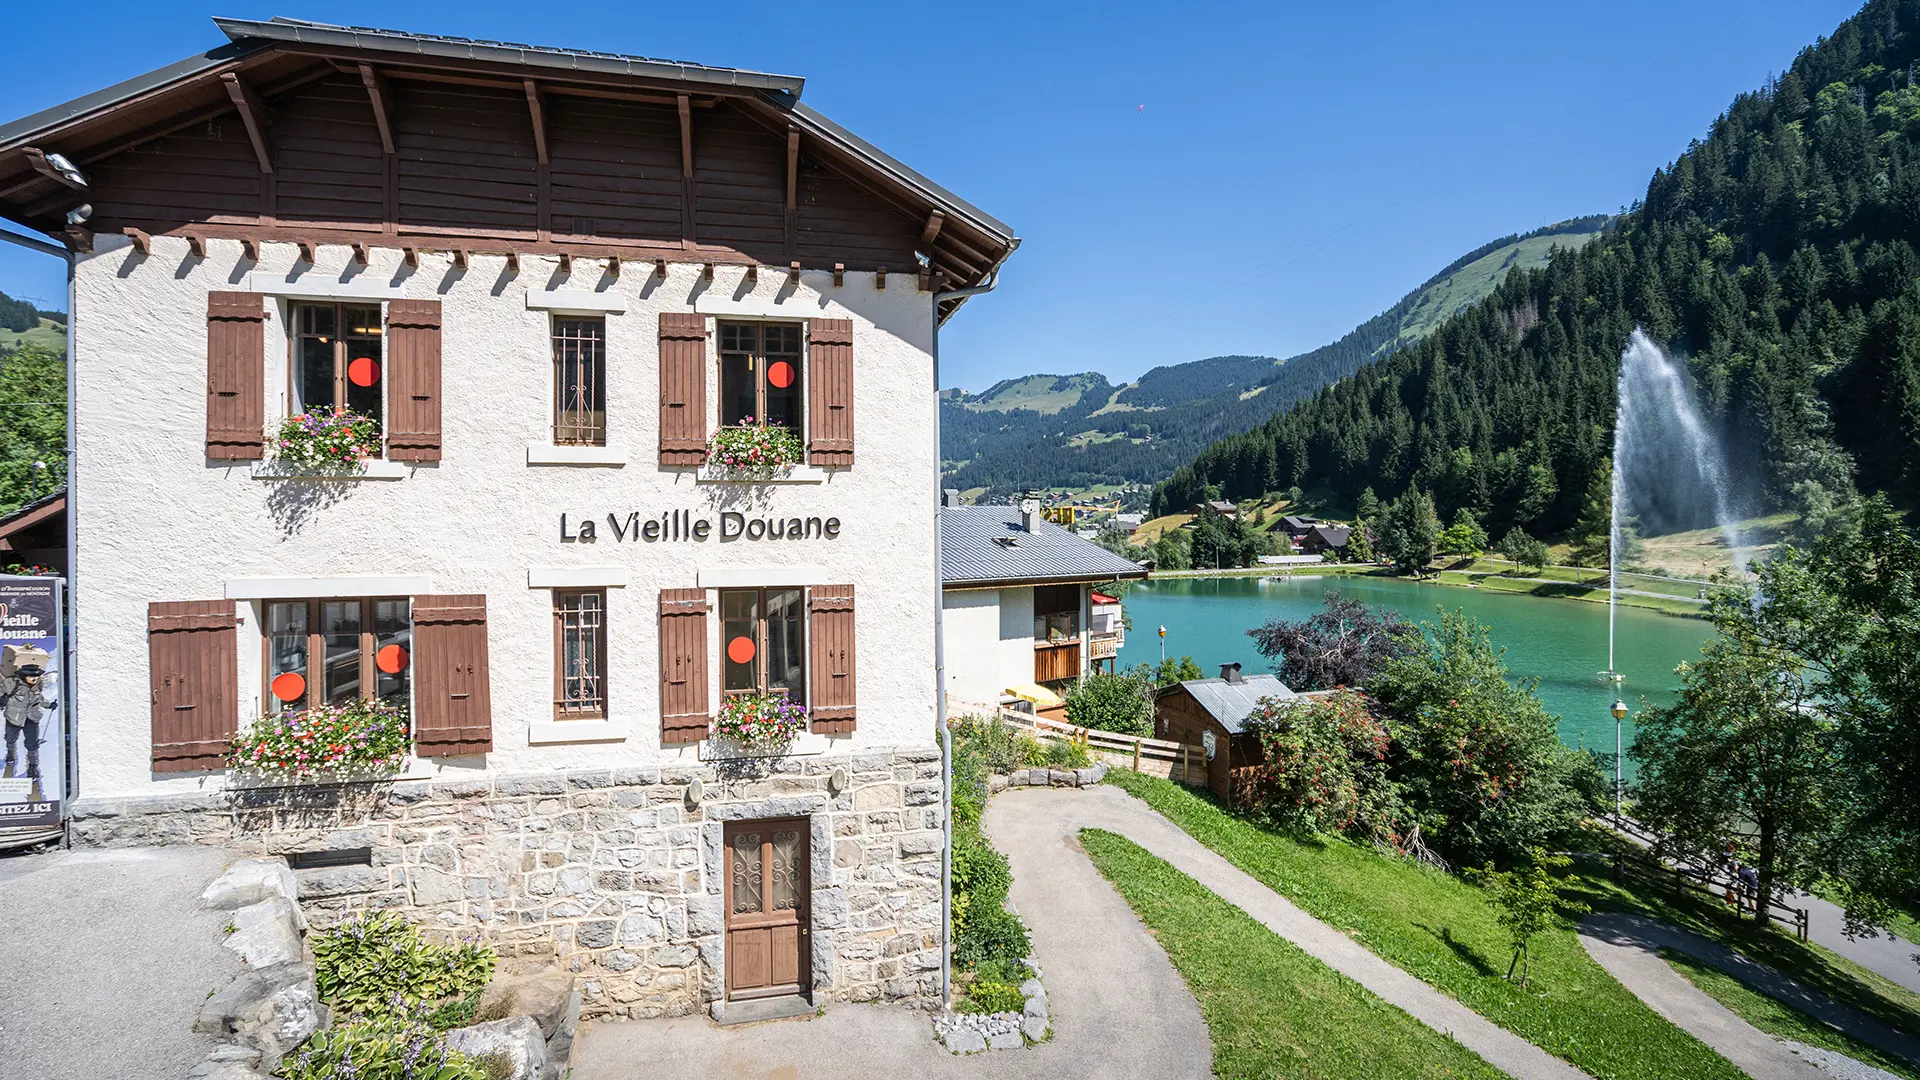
(839,222)
(205,173)
(328,163)
(830,695)
(193,664)
(1179,718)
(740,176)
(615,168)
(465,159)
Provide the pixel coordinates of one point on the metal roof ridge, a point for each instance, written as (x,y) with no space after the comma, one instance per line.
(365,37)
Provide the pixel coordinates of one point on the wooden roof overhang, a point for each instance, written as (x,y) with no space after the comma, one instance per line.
(961,245)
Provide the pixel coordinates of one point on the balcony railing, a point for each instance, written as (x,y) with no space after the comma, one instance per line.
(1105,646)
(1052,663)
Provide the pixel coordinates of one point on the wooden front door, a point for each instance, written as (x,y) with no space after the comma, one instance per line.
(768,934)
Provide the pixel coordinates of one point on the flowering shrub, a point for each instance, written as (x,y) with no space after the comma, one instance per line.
(755,448)
(372,964)
(30,570)
(338,439)
(760,721)
(397,1045)
(1323,769)
(325,739)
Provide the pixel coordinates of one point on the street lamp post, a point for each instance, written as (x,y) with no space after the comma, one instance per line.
(1619,756)
(1163,643)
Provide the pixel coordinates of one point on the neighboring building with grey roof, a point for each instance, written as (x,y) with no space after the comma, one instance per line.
(1211,715)
(1019,619)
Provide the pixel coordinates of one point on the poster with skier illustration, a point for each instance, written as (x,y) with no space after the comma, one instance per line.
(31,710)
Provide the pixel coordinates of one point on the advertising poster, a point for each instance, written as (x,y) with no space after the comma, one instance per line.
(32,713)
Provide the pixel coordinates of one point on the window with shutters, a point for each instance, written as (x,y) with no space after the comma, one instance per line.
(580,654)
(333,651)
(763,642)
(579,382)
(338,357)
(760,373)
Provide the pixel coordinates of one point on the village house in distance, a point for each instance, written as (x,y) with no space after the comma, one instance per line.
(548,280)
(1023,618)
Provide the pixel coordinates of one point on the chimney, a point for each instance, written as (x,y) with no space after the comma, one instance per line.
(1030,515)
(950,497)
(1230,673)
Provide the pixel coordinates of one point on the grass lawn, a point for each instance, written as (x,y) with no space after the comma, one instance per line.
(1272,1010)
(1777,1018)
(1442,930)
(1811,965)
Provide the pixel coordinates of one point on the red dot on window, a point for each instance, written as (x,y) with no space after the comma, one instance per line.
(740,650)
(391,659)
(363,371)
(289,686)
(780,374)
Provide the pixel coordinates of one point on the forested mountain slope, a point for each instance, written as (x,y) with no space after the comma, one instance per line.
(1777,255)
(1074,430)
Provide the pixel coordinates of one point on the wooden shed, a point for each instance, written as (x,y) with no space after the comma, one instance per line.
(1210,713)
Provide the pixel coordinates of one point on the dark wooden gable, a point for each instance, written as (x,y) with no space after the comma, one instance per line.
(328,161)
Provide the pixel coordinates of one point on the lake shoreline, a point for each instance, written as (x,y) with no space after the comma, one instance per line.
(1677,607)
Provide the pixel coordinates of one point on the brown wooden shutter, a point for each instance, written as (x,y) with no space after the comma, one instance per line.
(413,380)
(453,711)
(830,399)
(236,375)
(683,389)
(193,666)
(683,666)
(831,692)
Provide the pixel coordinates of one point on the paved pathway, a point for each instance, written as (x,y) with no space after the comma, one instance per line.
(109,958)
(1625,945)
(1119,1009)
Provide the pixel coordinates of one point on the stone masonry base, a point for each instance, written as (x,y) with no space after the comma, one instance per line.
(614,873)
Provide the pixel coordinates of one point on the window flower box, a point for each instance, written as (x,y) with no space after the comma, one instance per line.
(760,723)
(358,740)
(755,449)
(320,441)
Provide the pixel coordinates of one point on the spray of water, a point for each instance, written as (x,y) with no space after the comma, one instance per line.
(1669,470)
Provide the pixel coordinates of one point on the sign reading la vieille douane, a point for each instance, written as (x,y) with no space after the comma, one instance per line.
(677,525)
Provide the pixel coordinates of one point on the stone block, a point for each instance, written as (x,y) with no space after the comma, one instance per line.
(271,1009)
(921,843)
(965,1041)
(595,933)
(430,885)
(1034,1028)
(542,996)
(267,933)
(1006,1040)
(876,797)
(924,792)
(250,881)
(511,1049)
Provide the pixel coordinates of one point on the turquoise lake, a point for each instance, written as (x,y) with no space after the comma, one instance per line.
(1563,643)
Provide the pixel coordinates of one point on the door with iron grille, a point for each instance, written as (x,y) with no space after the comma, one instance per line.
(768,934)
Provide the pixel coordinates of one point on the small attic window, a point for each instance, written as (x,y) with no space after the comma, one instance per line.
(1006,541)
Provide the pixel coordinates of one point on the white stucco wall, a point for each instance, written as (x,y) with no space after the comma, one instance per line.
(989,643)
(156,520)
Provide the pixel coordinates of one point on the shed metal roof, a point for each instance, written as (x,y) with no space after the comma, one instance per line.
(972,551)
(1232,703)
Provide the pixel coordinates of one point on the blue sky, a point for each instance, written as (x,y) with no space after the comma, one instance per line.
(1188,180)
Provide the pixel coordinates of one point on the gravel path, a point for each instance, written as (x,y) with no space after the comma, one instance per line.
(1625,945)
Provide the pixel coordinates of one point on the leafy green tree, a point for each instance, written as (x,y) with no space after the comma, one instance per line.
(1121,702)
(1169,551)
(1464,536)
(1528,903)
(1478,759)
(1359,548)
(1173,670)
(33,424)
(1744,753)
(1524,550)
(1409,532)
(1842,620)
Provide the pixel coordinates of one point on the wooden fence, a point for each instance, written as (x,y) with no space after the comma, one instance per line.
(1177,761)
(1713,882)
